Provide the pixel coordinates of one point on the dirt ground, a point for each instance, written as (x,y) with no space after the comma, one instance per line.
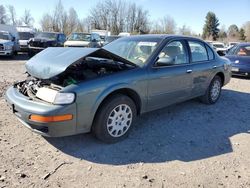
(185,145)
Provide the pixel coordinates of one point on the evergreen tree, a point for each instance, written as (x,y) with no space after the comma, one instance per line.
(210,29)
(242,34)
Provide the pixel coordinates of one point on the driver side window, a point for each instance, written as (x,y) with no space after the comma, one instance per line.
(174,53)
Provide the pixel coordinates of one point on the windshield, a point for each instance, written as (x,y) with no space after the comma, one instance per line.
(218,45)
(52,36)
(135,50)
(79,37)
(25,35)
(4,36)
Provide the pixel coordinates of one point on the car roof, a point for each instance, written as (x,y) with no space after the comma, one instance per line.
(163,36)
(244,44)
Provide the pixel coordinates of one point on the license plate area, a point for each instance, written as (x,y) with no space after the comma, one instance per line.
(235,69)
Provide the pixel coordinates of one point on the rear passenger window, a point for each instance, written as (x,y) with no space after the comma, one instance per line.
(198,51)
(210,53)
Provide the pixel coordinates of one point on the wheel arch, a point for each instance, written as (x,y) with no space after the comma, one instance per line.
(124,91)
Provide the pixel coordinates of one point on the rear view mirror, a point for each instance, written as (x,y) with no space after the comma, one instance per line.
(165,61)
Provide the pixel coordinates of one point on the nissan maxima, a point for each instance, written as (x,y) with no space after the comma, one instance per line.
(77,90)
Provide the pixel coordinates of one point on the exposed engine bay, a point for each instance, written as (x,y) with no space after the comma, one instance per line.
(82,70)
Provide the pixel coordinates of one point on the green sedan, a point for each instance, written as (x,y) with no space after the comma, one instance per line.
(77,90)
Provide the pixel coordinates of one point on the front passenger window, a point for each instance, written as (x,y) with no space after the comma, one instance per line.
(174,53)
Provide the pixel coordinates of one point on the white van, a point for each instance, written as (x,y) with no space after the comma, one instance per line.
(8,40)
(25,34)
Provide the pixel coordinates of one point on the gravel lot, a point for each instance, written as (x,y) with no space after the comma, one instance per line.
(185,145)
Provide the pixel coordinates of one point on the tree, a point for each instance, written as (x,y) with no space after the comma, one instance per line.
(169,25)
(184,30)
(242,36)
(223,33)
(46,22)
(118,16)
(27,19)
(73,20)
(210,29)
(3,15)
(12,14)
(57,21)
(246,27)
(233,32)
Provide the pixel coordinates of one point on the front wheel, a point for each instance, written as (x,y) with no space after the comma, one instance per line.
(114,119)
(213,92)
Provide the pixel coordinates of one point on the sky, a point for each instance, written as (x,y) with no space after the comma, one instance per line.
(191,13)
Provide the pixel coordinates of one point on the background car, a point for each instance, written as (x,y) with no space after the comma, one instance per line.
(25,34)
(44,40)
(91,40)
(109,39)
(220,48)
(78,90)
(239,55)
(9,44)
(6,44)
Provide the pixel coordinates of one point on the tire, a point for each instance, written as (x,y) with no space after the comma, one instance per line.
(213,92)
(110,125)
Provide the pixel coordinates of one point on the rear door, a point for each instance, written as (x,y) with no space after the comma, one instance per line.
(203,66)
(172,83)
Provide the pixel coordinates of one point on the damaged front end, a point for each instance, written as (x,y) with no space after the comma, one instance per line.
(56,68)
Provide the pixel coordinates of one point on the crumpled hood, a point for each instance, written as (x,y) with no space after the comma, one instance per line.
(53,61)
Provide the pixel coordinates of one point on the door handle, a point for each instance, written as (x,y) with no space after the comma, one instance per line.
(214,67)
(189,71)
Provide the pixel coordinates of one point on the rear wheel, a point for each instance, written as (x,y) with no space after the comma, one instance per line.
(213,92)
(114,119)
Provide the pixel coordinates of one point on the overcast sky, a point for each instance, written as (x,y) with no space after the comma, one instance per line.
(189,12)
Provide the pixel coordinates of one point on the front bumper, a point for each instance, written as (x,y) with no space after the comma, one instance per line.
(24,48)
(23,108)
(35,49)
(241,70)
(6,52)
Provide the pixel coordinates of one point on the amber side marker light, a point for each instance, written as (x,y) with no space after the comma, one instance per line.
(47,119)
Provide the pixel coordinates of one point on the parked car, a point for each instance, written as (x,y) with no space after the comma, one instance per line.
(231,44)
(220,48)
(9,45)
(109,39)
(239,55)
(92,40)
(6,44)
(78,90)
(25,34)
(44,40)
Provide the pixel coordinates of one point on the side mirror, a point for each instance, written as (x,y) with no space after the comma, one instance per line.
(165,61)
(13,39)
(93,40)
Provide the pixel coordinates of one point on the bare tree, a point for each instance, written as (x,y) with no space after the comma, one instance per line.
(168,25)
(3,15)
(246,27)
(27,19)
(184,30)
(73,20)
(57,21)
(46,22)
(118,16)
(12,14)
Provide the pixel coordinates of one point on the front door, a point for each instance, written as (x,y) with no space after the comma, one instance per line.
(170,78)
